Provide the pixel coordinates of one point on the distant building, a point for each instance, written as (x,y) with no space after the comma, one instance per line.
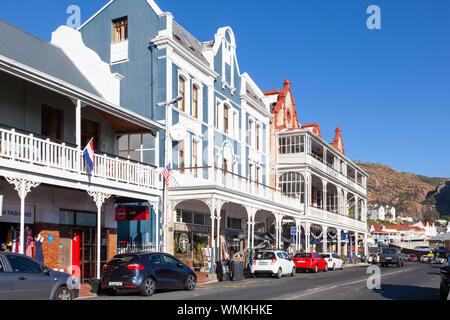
(406,219)
(382,213)
(429,227)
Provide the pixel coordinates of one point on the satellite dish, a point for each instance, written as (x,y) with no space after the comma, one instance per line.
(177,132)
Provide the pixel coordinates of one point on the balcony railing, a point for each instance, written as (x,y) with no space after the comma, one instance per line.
(213,176)
(26,148)
(335,217)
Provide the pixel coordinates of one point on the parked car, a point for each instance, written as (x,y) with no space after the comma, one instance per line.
(405,257)
(445,281)
(310,261)
(374,258)
(424,258)
(273,262)
(412,257)
(437,260)
(391,256)
(23,278)
(333,261)
(144,273)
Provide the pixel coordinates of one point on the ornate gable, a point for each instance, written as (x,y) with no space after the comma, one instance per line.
(284,113)
(338,144)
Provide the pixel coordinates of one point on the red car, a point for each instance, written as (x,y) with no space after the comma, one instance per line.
(412,257)
(310,261)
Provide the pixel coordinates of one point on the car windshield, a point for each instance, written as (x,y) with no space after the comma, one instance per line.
(303,255)
(324,256)
(265,256)
(124,258)
(389,251)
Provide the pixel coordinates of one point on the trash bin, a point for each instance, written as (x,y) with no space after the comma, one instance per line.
(237,270)
(223,270)
(95,284)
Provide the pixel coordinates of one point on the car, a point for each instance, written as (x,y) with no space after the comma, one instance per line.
(333,261)
(310,261)
(405,257)
(374,258)
(144,273)
(23,278)
(437,260)
(424,258)
(273,262)
(391,256)
(445,281)
(412,257)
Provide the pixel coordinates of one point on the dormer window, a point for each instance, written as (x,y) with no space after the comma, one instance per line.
(120,29)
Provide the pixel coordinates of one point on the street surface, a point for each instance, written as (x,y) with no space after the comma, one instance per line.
(415,281)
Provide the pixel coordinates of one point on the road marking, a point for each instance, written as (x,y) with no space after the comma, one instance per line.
(335,286)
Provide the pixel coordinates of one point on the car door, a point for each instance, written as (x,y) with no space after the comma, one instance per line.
(287,262)
(175,273)
(160,270)
(6,281)
(30,281)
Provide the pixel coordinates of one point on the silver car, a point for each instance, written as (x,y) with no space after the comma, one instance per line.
(23,278)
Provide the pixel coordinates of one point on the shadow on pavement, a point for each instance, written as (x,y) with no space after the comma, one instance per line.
(402,292)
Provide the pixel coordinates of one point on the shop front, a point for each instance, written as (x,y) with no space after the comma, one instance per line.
(10,227)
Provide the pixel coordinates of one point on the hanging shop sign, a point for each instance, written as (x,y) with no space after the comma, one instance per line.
(185,227)
(183,242)
(11,214)
(132,213)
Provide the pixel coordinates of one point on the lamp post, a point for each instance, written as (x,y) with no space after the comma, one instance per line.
(168,105)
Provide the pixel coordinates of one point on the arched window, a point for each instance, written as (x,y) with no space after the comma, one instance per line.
(292,183)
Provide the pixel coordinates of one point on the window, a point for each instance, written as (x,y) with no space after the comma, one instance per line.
(182,93)
(250,122)
(89,130)
(292,144)
(292,183)
(67,218)
(195,155)
(257,137)
(120,31)
(170,260)
(155,259)
(225,119)
(217,114)
(187,217)
(258,172)
(234,223)
(51,122)
(280,255)
(75,218)
(265,256)
(195,102)
(199,218)
(181,156)
(250,169)
(24,265)
(137,147)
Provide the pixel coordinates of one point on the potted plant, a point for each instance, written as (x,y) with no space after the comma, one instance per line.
(190,262)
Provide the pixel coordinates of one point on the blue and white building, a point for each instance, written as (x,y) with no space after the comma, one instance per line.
(218,133)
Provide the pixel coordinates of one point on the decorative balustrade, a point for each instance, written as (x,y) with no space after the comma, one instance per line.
(213,176)
(26,148)
(335,217)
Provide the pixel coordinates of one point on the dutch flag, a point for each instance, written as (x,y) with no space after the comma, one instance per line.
(88,154)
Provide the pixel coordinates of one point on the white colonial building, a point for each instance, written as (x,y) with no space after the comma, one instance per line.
(382,213)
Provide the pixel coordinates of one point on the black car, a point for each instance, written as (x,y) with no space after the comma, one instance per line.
(144,273)
(445,281)
(23,278)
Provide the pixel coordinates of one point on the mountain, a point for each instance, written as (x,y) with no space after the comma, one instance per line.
(411,194)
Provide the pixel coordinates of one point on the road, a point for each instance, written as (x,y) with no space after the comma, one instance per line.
(415,281)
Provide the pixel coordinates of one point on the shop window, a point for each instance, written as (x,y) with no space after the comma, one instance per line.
(51,122)
(187,217)
(67,218)
(86,219)
(75,218)
(89,130)
(120,29)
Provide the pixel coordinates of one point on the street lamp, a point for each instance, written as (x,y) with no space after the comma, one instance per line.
(168,105)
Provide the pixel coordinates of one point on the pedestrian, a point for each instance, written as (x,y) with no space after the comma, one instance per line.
(4,248)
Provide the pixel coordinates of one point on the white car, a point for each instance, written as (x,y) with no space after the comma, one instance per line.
(273,262)
(333,261)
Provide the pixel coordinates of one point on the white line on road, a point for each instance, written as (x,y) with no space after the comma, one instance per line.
(335,286)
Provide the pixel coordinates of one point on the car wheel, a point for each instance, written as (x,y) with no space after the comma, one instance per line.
(148,287)
(63,293)
(279,274)
(326,268)
(316,269)
(294,270)
(191,283)
(334,267)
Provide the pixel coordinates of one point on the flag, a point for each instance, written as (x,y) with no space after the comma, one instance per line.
(166,174)
(88,154)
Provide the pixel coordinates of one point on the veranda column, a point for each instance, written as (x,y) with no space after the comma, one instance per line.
(99,199)
(356,244)
(345,203)
(325,239)
(23,187)
(346,244)
(365,245)
(218,237)
(213,217)
(307,236)
(356,215)
(324,195)
(297,235)
(339,247)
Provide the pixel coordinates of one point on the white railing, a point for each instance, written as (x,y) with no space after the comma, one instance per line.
(211,176)
(325,215)
(25,148)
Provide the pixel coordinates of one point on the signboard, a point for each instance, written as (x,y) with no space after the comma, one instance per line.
(50,239)
(11,214)
(185,227)
(183,242)
(293,231)
(1,205)
(132,213)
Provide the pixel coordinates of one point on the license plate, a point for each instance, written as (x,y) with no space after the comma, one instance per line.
(262,263)
(301,261)
(388,258)
(116,284)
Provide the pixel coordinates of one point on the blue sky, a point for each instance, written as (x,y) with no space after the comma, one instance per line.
(388,89)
